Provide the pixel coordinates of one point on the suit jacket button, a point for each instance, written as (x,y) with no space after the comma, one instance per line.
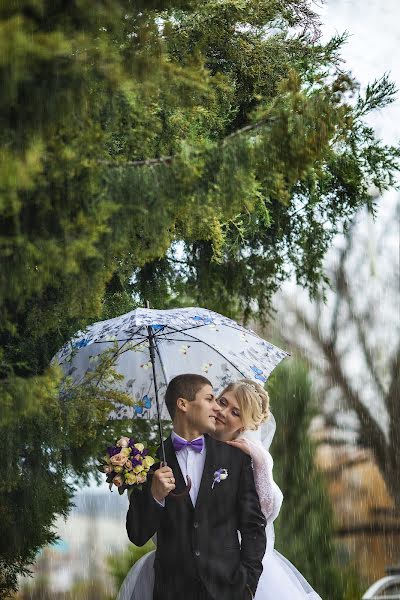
(197,553)
(195,524)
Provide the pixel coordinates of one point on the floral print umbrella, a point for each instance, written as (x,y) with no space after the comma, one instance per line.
(186,340)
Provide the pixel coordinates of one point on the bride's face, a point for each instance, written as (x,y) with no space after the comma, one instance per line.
(228,422)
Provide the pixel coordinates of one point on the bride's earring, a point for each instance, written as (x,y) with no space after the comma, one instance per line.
(241,429)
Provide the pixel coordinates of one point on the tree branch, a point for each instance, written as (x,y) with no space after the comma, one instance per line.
(166,160)
(392,401)
(393,396)
(340,278)
(337,470)
(368,529)
(368,355)
(369,428)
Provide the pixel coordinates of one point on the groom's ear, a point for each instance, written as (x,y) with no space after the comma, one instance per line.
(182,403)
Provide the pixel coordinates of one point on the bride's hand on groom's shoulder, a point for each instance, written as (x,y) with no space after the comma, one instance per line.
(240,443)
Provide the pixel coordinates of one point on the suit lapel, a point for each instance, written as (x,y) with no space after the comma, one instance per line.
(208,472)
(172,462)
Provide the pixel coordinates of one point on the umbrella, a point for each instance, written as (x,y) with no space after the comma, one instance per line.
(153,346)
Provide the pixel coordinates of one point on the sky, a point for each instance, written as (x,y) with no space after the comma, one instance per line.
(371,50)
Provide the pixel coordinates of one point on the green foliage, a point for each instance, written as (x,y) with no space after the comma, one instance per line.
(305,527)
(46,442)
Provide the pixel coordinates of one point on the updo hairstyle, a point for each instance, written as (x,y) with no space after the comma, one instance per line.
(253,401)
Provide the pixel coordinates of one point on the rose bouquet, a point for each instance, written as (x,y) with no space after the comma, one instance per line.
(126,464)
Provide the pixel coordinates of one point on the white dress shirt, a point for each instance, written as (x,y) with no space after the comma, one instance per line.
(191,463)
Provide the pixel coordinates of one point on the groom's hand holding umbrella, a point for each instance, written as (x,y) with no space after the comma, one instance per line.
(163,482)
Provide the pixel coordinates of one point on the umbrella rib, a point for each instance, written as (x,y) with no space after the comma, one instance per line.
(162,332)
(162,364)
(166,339)
(123,340)
(217,351)
(239,328)
(129,339)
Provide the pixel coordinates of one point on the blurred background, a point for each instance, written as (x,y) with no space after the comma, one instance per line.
(294,230)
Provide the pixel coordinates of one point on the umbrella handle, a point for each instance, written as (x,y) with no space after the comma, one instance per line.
(186,489)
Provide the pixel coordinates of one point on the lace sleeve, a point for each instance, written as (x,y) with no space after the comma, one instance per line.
(262,469)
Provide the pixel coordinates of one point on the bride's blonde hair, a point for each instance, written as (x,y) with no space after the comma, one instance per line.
(253,401)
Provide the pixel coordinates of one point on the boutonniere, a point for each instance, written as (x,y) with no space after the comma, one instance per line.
(219,476)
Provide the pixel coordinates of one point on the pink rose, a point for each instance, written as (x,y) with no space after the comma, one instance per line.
(118,480)
(118,459)
(123,442)
(128,465)
(141,477)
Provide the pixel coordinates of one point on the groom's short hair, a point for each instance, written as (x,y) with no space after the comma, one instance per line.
(183,386)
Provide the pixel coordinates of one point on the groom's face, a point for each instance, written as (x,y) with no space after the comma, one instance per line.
(203,410)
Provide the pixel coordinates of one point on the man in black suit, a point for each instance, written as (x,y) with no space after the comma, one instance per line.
(199,555)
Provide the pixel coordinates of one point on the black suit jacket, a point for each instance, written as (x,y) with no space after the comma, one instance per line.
(201,543)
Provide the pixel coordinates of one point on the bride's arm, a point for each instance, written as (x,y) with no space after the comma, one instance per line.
(262,470)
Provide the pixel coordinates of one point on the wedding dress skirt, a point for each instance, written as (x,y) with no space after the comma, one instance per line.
(280,580)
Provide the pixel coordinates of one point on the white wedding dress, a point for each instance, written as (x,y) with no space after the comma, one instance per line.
(280,580)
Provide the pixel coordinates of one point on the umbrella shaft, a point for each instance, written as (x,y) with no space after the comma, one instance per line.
(152,345)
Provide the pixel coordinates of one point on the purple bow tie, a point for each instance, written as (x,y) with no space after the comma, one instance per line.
(196,445)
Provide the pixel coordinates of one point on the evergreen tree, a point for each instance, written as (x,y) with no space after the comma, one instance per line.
(125,129)
(305,528)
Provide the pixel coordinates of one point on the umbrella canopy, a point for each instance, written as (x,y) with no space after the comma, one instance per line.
(186,340)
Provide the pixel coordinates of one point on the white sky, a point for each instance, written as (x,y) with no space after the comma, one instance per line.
(372,48)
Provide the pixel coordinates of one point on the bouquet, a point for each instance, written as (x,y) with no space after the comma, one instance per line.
(126,464)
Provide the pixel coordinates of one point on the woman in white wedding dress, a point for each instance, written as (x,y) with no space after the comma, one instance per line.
(245,422)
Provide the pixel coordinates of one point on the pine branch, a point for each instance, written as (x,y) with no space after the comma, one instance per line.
(378,94)
(165,160)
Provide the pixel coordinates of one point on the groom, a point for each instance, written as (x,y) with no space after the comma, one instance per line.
(199,556)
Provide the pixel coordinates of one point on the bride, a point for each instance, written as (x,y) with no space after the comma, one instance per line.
(245,422)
